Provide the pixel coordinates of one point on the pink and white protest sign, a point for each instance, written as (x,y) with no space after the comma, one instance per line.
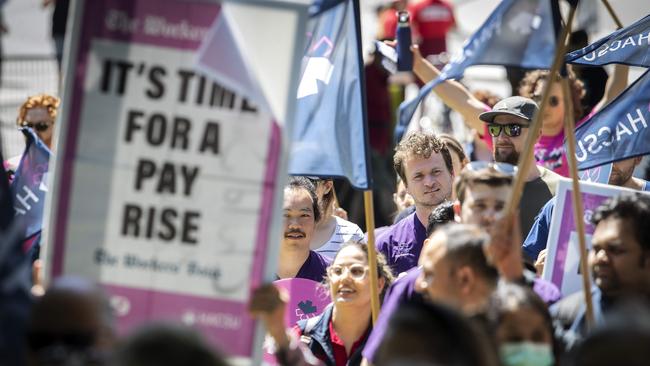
(166,180)
(307,299)
(562,266)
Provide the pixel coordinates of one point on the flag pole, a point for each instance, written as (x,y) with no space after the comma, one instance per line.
(372,254)
(613,14)
(526,157)
(578,209)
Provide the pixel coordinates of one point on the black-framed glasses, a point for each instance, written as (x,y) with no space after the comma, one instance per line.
(511,130)
(38,126)
(505,168)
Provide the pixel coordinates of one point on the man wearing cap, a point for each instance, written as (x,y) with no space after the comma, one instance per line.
(508,123)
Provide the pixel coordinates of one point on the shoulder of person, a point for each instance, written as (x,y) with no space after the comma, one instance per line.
(567,310)
(549,177)
(347,227)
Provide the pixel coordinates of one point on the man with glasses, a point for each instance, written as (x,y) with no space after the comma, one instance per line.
(508,123)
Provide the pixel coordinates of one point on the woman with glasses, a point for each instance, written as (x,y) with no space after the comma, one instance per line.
(39,113)
(337,336)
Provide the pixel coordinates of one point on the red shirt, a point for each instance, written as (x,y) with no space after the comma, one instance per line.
(431,20)
(340,356)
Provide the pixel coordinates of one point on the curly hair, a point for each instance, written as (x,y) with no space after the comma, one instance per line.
(383,269)
(532,79)
(421,145)
(50,103)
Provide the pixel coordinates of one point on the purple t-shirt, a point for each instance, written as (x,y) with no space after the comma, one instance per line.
(401,291)
(314,268)
(401,244)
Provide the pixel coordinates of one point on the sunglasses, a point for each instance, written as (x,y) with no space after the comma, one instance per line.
(38,126)
(356,271)
(511,130)
(504,168)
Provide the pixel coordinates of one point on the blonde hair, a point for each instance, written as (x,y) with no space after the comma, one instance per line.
(50,103)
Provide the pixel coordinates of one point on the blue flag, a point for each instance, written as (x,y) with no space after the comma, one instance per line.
(628,46)
(30,184)
(618,131)
(517,33)
(15,278)
(329,137)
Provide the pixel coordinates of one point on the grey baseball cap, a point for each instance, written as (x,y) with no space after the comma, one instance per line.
(514,106)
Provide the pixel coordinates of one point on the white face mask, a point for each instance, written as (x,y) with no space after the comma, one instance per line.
(526,354)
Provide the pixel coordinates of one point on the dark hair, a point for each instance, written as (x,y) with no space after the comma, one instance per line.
(442,214)
(167,345)
(488,176)
(328,197)
(298,182)
(509,297)
(635,208)
(419,144)
(464,244)
(453,144)
(383,269)
(433,334)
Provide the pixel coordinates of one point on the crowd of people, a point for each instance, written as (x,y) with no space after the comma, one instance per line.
(458,277)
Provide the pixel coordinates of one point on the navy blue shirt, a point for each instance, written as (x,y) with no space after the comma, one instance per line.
(314,268)
(401,244)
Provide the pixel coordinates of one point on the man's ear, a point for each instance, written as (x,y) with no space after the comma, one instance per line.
(465,279)
(456,207)
(637,160)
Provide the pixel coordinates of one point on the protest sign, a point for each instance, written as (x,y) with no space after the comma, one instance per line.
(165,179)
(307,299)
(562,266)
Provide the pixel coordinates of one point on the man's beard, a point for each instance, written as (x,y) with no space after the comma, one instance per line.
(511,157)
(618,178)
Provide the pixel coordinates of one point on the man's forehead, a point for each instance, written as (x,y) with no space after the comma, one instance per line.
(414,161)
(482,191)
(297,199)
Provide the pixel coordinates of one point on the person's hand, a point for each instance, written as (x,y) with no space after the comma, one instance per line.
(504,249)
(539,263)
(268,303)
(37,278)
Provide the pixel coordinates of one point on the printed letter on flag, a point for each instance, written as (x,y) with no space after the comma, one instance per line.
(628,46)
(618,131)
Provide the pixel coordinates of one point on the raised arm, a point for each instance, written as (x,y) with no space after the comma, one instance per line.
(615,85)
(452,93)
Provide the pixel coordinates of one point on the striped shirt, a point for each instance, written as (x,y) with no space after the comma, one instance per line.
(345,231)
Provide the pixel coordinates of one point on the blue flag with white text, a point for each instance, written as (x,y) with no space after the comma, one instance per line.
(618,131)
(329,137)
(517,33)
(15,278)
(628,46)
(30,184)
